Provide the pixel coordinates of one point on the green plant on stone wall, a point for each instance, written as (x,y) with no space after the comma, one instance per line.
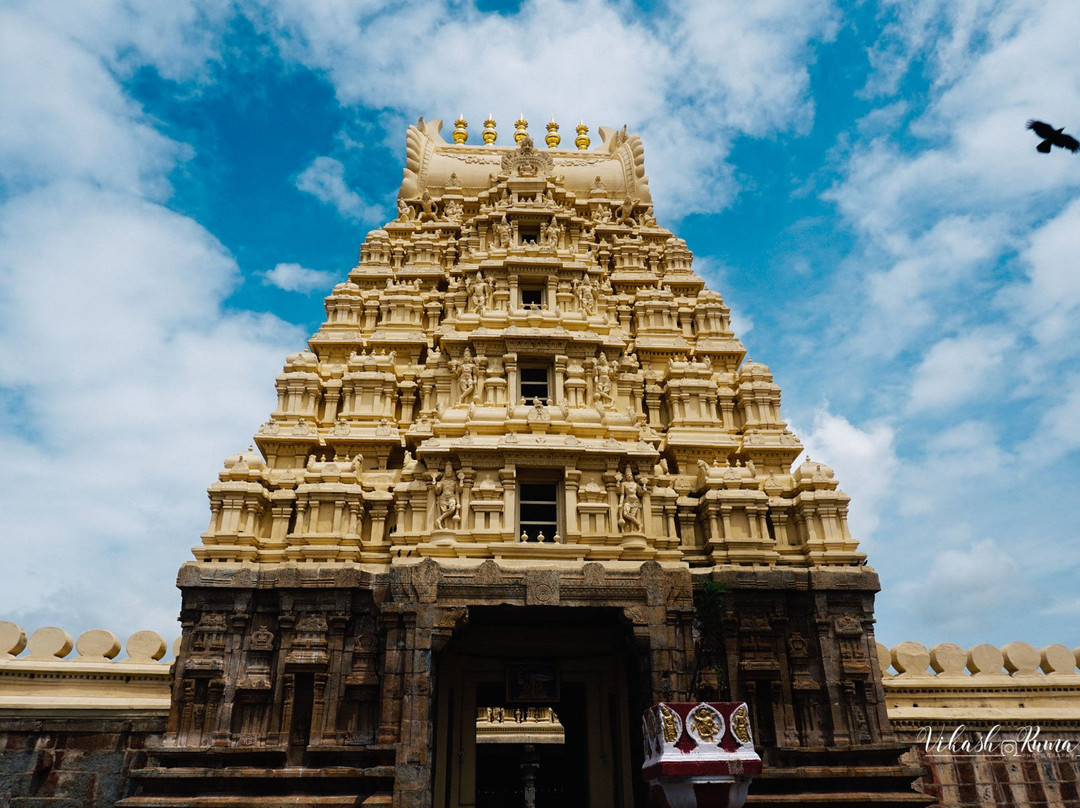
(710,676)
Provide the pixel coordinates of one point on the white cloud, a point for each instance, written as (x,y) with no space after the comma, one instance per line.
(1053,296)
(961,295)
(1058,432)
(689,84)
(1068,608)
(65,117)
(325,180)
(179,38)
(123,380)
(945,478)
(976,540)
(941,204)
(962,585)
(864,461)
(295,278)
(956,369)
(923,271)
(132,384)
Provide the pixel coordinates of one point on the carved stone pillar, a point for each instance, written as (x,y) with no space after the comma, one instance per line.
(378,510)
(331,398)
(512,387)
(572,481)
(509,483)
(560,379)
(468,478)
(611,482)
(392,677)
(407,394)
(652,401)
(552,287)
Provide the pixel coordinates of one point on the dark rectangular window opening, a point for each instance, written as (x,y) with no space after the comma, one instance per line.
(538,510)
(532,296)
(534,383)
(529,234)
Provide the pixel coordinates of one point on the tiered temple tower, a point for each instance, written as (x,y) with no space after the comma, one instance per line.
(479,511)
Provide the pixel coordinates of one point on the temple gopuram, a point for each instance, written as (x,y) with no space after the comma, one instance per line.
(523,435)
(522,487)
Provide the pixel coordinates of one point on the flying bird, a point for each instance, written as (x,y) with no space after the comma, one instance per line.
(1052,137)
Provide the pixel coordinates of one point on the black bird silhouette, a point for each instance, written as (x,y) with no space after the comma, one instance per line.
(1052,137)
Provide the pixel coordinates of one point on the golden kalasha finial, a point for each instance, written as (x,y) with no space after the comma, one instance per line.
(582,140)
(461,130)
(489,134)
(521,129)
(552,140)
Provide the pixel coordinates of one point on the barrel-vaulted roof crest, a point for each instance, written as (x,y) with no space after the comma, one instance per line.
(431,162)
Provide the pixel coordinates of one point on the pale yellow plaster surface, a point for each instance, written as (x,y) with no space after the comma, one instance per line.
(405,429)
(48,681)
(1016,685)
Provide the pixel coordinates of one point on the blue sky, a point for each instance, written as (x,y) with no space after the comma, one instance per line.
(181,183)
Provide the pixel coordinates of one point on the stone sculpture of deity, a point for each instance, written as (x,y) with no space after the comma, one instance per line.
(428,213)
(602,382)
(585,291)
(554,233)
(447,504)
(466,371)
(630,502)
(503,233)
(479,293)
(453,211)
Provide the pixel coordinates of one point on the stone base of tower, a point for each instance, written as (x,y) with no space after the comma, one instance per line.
(797,645)
(276,693)
(319,685)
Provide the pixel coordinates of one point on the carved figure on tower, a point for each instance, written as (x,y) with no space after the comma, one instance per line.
(602,383)
(554,233)
(447,504)
(502,233)
(625,212)
(466,371)
(585,291)
(630,501)
(453,211)
(427,207)
(479,293)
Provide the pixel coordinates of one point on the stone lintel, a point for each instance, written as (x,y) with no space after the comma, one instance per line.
(792,578)
(283,575)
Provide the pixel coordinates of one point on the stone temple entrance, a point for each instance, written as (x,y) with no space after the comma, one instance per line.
(538,706)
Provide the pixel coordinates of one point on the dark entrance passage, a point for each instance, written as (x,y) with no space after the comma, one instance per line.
(535,710)
(511,752)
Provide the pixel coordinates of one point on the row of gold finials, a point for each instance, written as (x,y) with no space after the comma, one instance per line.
(521,131)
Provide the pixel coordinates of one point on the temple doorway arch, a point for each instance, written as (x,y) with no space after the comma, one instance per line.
(538,706)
